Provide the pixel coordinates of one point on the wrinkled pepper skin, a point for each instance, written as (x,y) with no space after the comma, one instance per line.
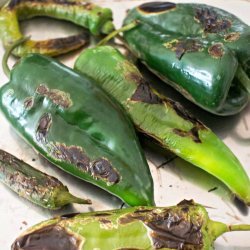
(73,123)
(34,185)
(185,226)
(201,51)
(92,17)
(162,119)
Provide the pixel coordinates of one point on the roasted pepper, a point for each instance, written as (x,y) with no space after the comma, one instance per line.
(73,123)
(162,119)
(34,185)
(185,226)
(201,51)
(88,15)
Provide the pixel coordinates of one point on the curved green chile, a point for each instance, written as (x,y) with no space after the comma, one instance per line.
(162,119)
(72,122)
(200,50)
(34,185)
(185,226)
(88,15)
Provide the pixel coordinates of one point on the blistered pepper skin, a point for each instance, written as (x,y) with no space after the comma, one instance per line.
(162,119)
(185,226)
(201,51)
(88,15)
(72,122)
(34,185)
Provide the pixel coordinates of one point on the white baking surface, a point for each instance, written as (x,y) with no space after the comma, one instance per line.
(173,182)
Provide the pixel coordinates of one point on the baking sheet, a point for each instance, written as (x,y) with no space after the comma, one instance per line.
(173,182)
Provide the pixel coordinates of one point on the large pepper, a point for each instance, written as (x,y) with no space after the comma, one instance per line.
(162,119)
(201,51)
(88,15)
(185,226)
(72,122)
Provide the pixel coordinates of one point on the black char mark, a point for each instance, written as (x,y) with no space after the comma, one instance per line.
(48,238)
(155,7)
(145,94)
(43,127)
(102,169)
(64,43)
(183,46)
(210,21)
(14,3)
(193,133)
(170,229)
(99,169)
(216,50)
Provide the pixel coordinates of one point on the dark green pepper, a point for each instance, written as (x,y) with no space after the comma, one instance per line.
(185,226)
(162,119)
(200,50)
(72,122)
(88,15)
(30,183)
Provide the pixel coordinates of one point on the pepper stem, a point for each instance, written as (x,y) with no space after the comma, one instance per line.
(116,32)
(7,53)
(64,198)
(243,78)
(217,228)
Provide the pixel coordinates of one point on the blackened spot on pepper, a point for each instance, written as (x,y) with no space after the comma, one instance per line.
(185,114)
(105,221)
(43,127)
(216,50)
(57,96)
(186,203)
(210,21)
(142,211)
(64,43)
(183,46)
(101,214)
(28,103)
(47,238)
(145,94)
(156,7)
(102,169)
(72,154)
(69,216)
(231,37)
(193,133)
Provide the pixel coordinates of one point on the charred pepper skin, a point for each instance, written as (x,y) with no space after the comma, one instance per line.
(162,119)
(88,15)
(185,226)
(73,123)
(34,185)
(201,51)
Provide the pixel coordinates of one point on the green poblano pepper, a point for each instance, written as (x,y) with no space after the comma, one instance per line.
(162,119)
(201,51)
(34,185)
(88,15)
(73,123)
(185,226)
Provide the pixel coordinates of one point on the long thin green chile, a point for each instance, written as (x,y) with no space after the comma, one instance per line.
(201,51)
(88,15)
(73,123)
(34,185)
(185,226)
(162,119)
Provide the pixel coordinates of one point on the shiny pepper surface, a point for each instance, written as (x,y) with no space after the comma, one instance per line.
(185,226)
(72,122)
(201,51)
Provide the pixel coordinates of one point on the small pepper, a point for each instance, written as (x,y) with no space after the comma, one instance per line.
(201,51)
(185,226)
(162,119)
(88,15)
(34,185)
(73,123)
